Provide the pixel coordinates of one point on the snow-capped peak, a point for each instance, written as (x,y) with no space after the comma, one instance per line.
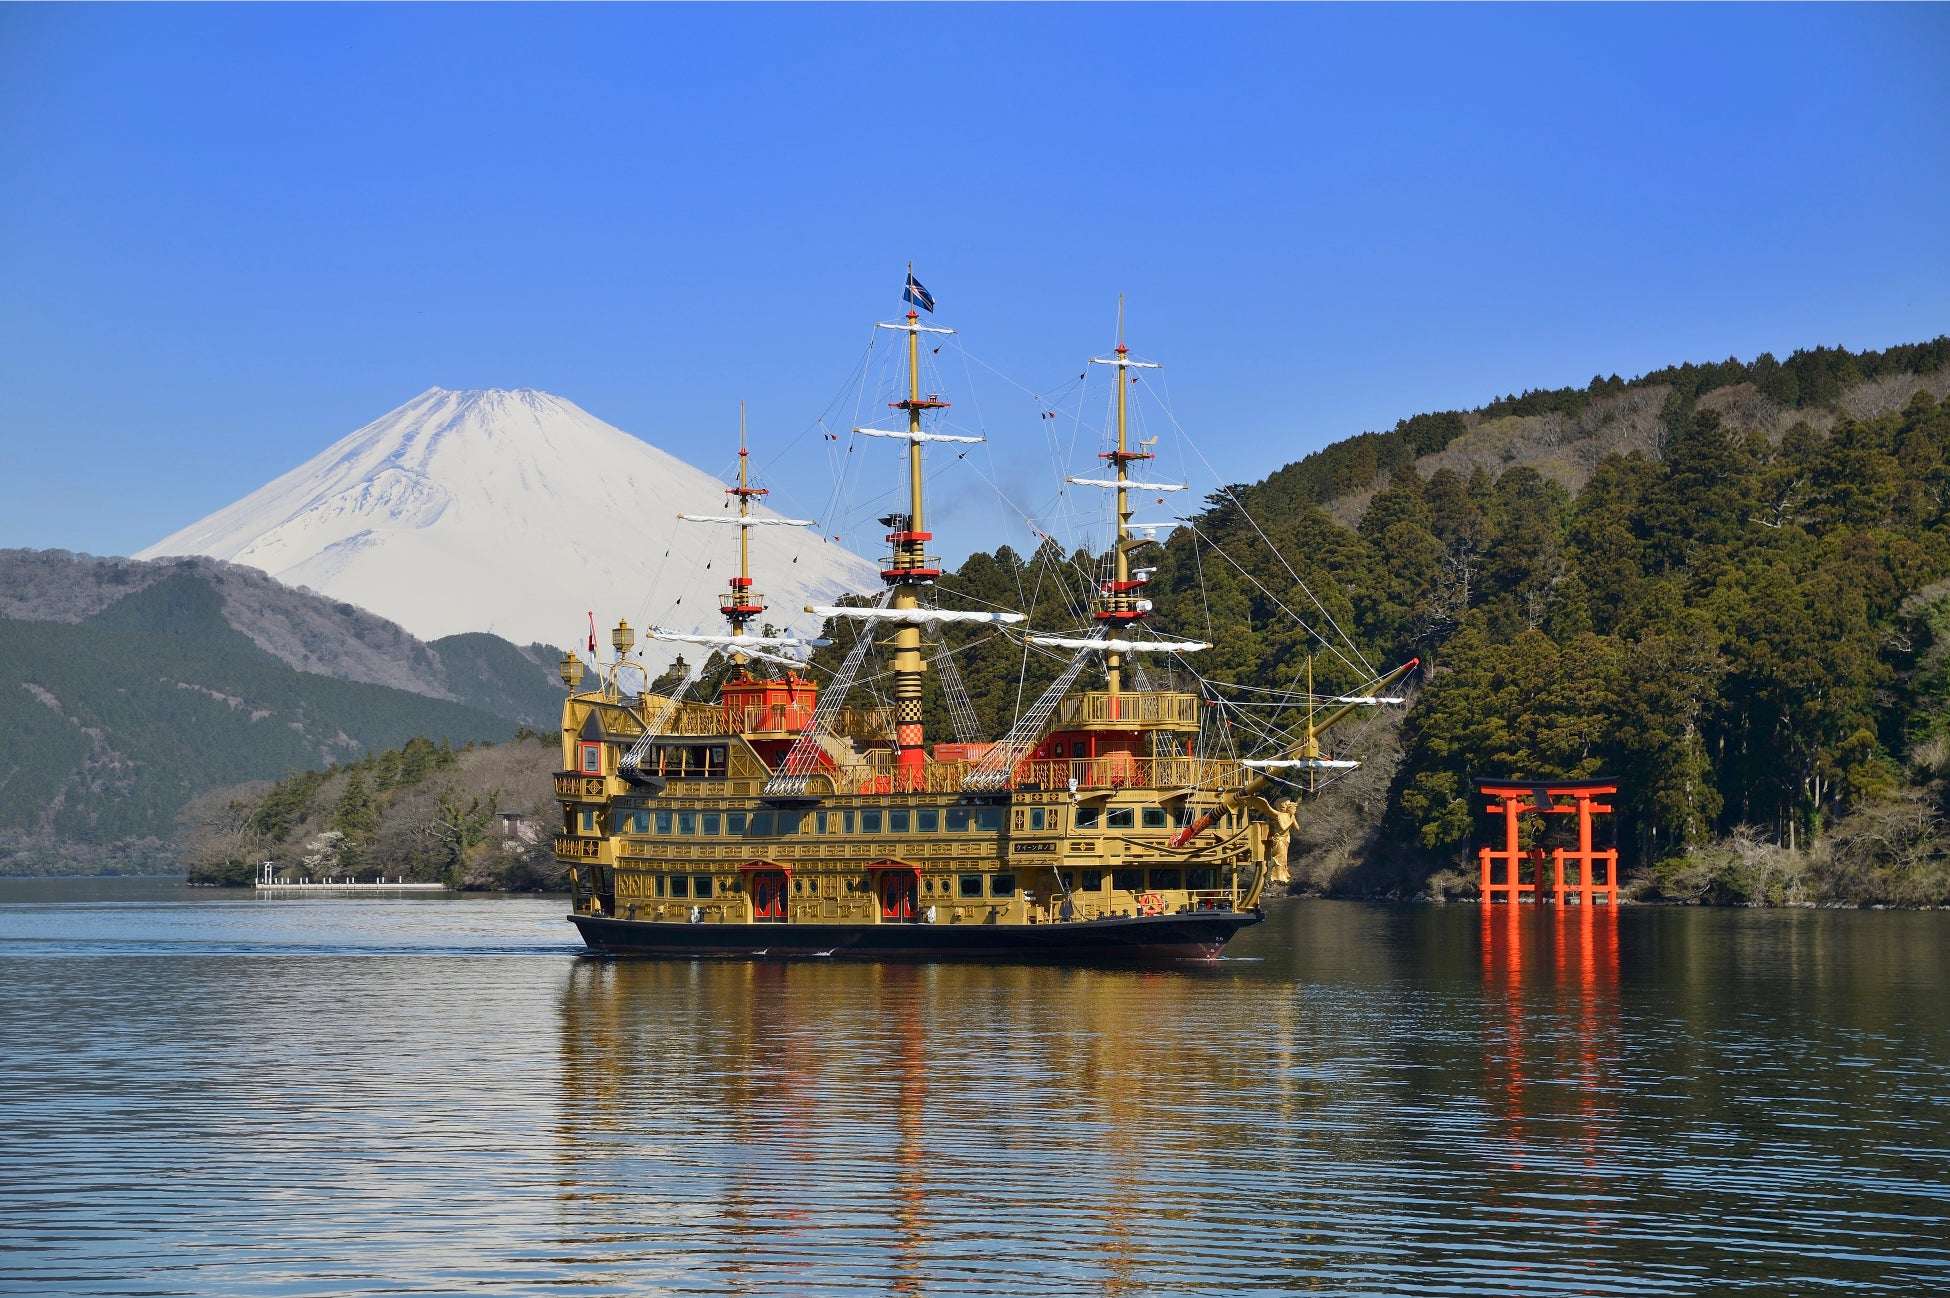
(512,511)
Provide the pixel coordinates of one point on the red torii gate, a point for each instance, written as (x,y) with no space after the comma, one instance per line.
(1585,874)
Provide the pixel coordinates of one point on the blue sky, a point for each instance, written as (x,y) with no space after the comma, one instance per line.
(231,234)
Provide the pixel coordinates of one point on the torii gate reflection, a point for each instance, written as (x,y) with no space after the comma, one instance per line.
(1552,1038)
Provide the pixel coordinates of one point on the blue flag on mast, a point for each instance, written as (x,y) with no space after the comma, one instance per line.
(917,295)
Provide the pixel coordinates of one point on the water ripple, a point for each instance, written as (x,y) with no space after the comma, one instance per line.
(212,1095)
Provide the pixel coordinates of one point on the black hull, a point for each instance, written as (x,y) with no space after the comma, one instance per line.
(1138,939)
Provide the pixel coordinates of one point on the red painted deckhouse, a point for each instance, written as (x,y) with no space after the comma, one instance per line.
(1583,875)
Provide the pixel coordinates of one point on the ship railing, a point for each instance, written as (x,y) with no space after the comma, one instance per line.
(1108,773)
(1123,771)
(700,719)
(882,777)
(1129,705)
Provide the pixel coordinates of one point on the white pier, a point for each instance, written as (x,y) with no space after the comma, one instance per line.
(348,886)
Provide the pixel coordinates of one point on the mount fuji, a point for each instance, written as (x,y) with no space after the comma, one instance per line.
(513,512)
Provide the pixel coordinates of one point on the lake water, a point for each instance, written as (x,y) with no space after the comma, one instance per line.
(205,1093)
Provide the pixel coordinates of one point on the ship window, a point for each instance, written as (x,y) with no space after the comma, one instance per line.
(1002,885)
(819,821)
(1093,880)
(1181,815)
(717,762)
(870,822)
(789,822)
(680,886)
(812,885)
(989,820)
(1164,879)
(663,822)
(713,823)
(957,819)
(1204,876)
(898,820)
(1037,817)
(660,884)
(1154,817)
(1127,880)
(762,824)
(1087,817)
(592,759)
(930,819)
(846,820)
(735,823)
(971,885)
(587,820)
(1121,818)
(701,885)
(687,822)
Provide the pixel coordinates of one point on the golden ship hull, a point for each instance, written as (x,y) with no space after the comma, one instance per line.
(1137,939)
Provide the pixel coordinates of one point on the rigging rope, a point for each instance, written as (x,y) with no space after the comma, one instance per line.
(961,709)
(633,759)
(790,780)
(991,774)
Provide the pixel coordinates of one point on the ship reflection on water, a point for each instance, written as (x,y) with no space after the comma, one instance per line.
(1387,1098)
(1372,1098)
(892,1123)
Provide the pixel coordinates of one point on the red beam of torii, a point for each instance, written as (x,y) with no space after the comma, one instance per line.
(1596,871)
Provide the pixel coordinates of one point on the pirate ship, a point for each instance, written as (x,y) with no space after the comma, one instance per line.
(778,819)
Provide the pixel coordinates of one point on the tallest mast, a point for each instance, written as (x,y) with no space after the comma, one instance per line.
(910,567)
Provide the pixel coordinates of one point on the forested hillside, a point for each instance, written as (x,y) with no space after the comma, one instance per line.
(110,724)
(424,811)
(305,630)
(1727,585)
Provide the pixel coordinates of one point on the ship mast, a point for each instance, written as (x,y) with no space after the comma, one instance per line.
(1120,607)
(742,604)
(910,568)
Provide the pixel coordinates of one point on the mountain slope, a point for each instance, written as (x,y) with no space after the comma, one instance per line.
(306,631)
(1564,433)
(1726,585)
(110,724)
(512,512)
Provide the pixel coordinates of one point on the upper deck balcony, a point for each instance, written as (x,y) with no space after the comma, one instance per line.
(867,724)
(1164,776)
(1129,710)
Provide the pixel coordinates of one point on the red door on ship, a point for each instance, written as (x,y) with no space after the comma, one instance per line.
(897,895)
(768,895)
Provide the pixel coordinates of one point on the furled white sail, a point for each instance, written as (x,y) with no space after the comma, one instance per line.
(909,326)
(1306,763)
(746,522)
(1121,646)
(919,616)
(905,436)
(1130,486)
(746,641)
